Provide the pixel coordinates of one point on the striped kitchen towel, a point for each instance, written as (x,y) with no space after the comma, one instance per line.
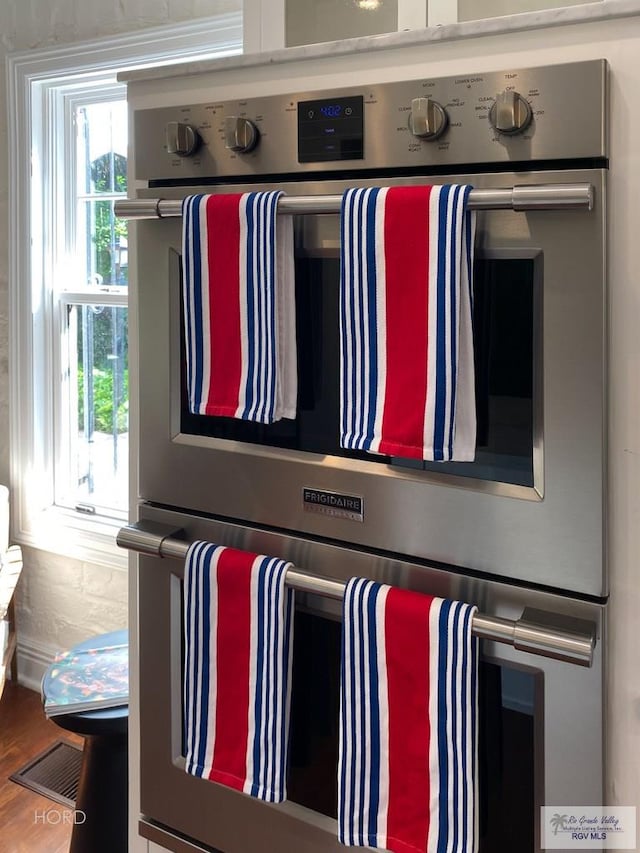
(238,619)
(239,307)
(407,379)
(407,773)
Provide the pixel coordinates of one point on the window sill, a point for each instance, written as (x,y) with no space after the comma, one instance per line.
(64,532)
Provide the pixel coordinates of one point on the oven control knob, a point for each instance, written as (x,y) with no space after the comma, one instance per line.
(240,134)
(427,119)
(182,139)
(510,113)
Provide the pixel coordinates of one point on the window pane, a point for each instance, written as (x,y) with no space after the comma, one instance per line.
(102,237)
(98,429)
(102,148)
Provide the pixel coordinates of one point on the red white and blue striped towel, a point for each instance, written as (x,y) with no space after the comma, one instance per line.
(407,379)
(239,307)
(238,619)
(407,773)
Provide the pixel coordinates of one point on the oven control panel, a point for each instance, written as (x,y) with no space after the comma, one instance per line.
(514,116)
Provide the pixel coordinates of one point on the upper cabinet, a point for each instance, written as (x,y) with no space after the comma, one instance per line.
(312,21)
(274,24)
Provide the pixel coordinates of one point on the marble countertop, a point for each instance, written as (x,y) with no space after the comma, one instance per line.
(595,11)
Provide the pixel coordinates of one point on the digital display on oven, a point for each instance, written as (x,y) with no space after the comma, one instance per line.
(330,129)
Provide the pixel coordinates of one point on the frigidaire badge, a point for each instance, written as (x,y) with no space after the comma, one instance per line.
(333,504)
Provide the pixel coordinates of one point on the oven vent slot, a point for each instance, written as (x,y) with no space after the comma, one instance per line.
(536,632)
(539,197)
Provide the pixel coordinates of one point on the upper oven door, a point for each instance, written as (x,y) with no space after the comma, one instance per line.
(530,507)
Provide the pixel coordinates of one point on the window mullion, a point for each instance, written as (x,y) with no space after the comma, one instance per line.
(100,196)
(64,247)
(62,391)
(115,298)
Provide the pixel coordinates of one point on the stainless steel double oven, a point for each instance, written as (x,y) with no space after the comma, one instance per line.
(520,531)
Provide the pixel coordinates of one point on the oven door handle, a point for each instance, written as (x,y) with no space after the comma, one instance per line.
(537,632)
(524,197)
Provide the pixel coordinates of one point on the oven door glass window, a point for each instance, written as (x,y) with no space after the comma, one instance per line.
(507,343)
(510,737)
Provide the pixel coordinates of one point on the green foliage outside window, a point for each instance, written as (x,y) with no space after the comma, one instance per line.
(106,327)
(108,231)
(103,401)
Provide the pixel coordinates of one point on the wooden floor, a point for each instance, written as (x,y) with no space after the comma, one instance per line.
(27,822)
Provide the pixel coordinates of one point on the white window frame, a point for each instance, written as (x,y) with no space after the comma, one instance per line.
(64,100)
(36,201)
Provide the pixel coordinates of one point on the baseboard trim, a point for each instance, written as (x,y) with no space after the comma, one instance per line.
(33,659)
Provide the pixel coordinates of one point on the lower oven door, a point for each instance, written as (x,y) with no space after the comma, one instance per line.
(540,720)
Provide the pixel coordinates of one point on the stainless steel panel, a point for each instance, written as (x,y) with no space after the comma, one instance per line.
(570,772)
(169,840)
(567,101)
(552,534)
(538,632)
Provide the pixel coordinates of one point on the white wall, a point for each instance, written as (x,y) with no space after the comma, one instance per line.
(62,601)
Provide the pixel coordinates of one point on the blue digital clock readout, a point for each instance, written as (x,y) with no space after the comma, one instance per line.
(331,110)
(331,129)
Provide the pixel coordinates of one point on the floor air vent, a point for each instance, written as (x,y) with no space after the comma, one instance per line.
(54,773)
